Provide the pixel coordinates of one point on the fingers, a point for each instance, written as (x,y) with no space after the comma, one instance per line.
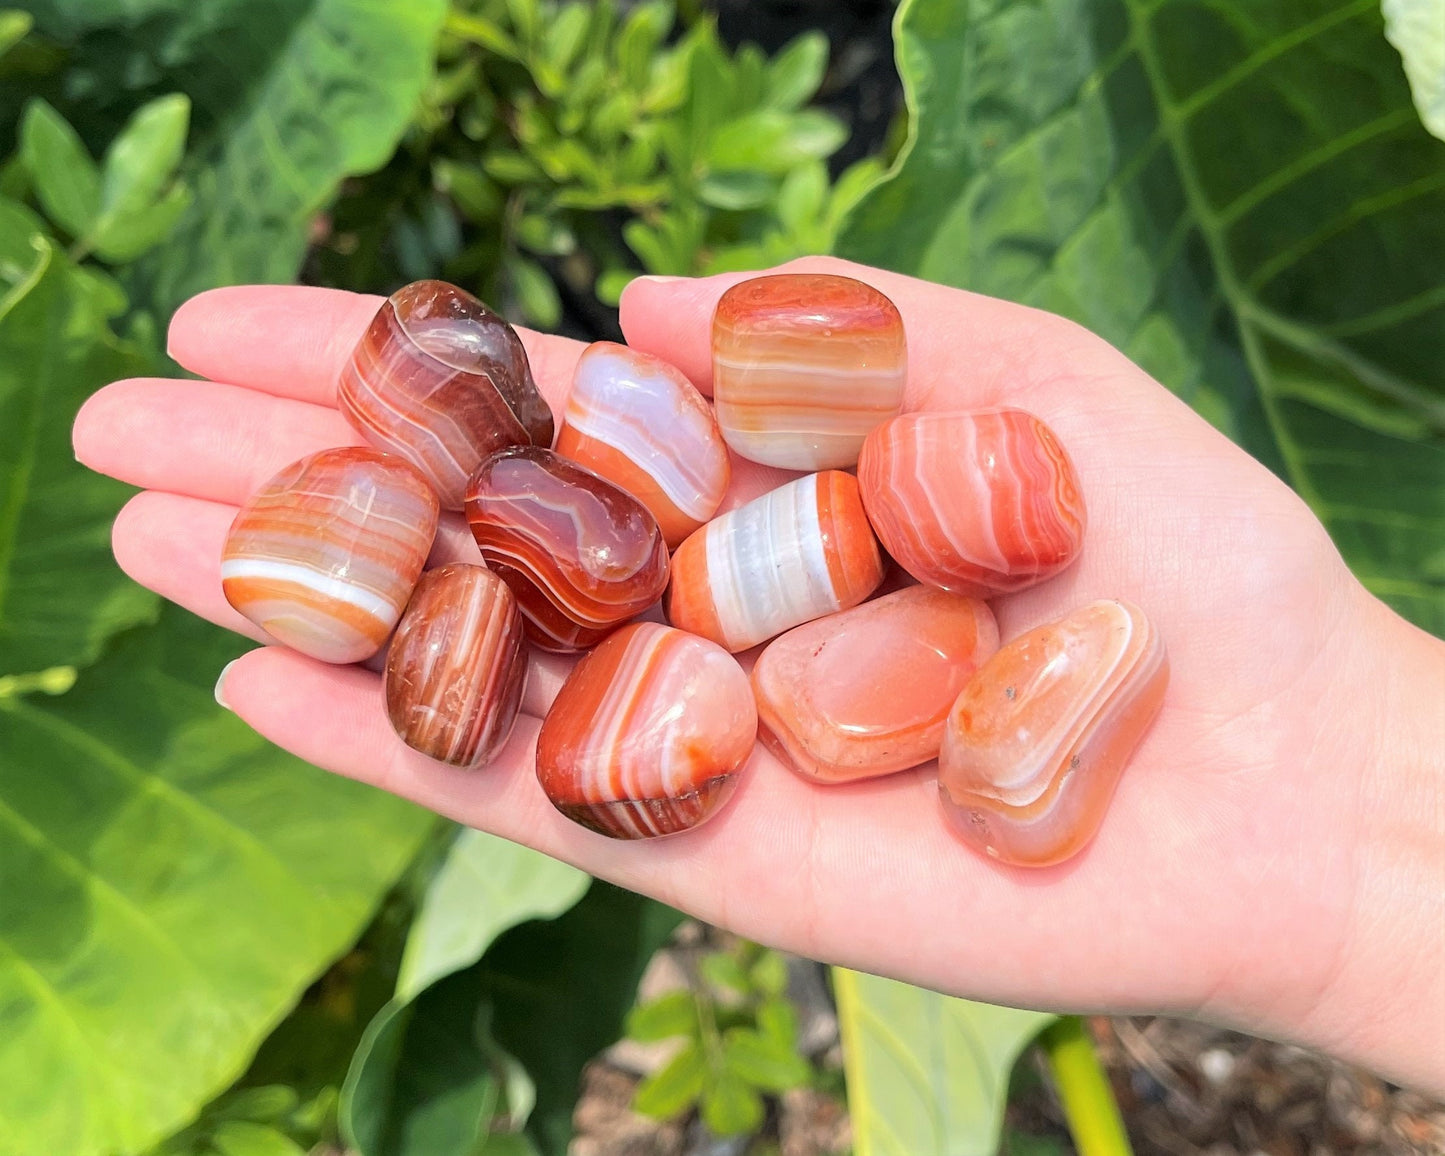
(294,340)
(217,442)
(964,349)
(172,544)
(729,871)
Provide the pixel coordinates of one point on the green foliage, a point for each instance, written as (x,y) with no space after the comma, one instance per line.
(123,207)
(1251,210)
(61,596)
(1417,30)
(926,1073)
(488,1059)
(557,137)
(179,891)
(740,1041)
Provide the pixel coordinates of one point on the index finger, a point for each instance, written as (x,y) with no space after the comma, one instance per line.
(294,341)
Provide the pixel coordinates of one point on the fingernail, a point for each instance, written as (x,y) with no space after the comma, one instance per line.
(658,278)
(221,684)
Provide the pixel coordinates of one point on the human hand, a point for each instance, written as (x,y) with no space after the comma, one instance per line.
(1273,858)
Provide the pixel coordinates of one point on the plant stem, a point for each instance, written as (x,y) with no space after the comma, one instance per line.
(1088,1100)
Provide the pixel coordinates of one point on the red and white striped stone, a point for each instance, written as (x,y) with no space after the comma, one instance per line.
(443,381)
(980,503)
(456,666)
(648,734)
(325,555)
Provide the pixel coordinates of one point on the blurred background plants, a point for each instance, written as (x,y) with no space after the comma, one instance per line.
(207,947)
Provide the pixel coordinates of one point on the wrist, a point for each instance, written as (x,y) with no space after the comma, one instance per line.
(1382,1003)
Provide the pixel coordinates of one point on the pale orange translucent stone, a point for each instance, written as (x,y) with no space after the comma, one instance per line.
(865,692)
(804,365)
(1037,741)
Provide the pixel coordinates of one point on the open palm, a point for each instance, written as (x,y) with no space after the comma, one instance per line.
(1224,881)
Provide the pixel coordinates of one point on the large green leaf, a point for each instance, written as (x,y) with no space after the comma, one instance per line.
(551,993)
(426,1077)
(1242,198)
(169,883)
(485,886)
(328,96)
(561,991)
(61,596)
(927,1074)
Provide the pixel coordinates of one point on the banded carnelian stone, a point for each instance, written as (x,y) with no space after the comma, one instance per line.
(1036,743)
(804,365)
(456,666)
(325,555)
(581,556)
(792,555)
(648,734)
(980,503)
(639,423)
(443,381)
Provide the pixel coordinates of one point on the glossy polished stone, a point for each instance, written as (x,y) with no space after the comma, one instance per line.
(795,554)
(456,666)
(1036,743)
(647,734)
(865,692)
(581,556)
(442,380)
(638,422)
(804,365)
(325,555)
(980,503)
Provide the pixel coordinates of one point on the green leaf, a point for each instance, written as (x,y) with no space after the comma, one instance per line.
(122,239)
(61,595)
(14,27)
(722,969)
(927,1074)
(425,1080)
(643,32)
(184,882)
(730,1107)
(142,159)
(1417,30)
(610,285)
(764,1061)
(67,181)
(303,102)
(561,990)
(796,72)
(771,141)
(485,885)
(769,974)
(674,1087)
(742,189)
(778,1020)
(536,292)
(242,1138)
(672,1014)
(1252,211)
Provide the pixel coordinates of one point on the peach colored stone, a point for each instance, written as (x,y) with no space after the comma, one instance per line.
(1036,743)
(865,692)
